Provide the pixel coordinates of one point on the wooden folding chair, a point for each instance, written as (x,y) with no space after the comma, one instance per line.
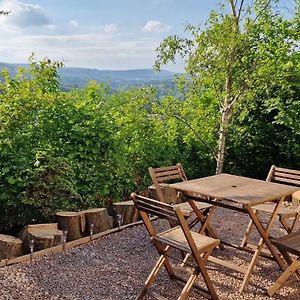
(175,173)
(179,237)
(284,176)
(287,244)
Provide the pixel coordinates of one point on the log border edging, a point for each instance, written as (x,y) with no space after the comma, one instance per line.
(67,246)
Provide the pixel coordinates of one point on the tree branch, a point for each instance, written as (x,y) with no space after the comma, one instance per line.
(183,120)
(233,8)
(260,12)
(240,9)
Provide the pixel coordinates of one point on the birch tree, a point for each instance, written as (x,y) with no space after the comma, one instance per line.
(240,49)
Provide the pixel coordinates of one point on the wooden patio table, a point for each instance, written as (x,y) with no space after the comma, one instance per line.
(239,193)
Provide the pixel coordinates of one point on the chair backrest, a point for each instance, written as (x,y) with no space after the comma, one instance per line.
(154,208)
(149,207)
(283,175)
(166,174)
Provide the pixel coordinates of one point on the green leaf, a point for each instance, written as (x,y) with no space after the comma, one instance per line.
(11,180)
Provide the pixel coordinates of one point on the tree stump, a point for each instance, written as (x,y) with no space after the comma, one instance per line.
(99,218)
(128,212)
(72,222)
(44,236)
(170,194)
(10,246)
(296,198)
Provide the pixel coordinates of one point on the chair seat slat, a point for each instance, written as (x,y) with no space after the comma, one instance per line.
(269,208)
(290,243)
(186,207)
(176,236)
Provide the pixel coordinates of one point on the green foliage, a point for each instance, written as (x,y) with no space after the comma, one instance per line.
(266,132)
(49,186)
(191,124)
(73,150)
(237,57)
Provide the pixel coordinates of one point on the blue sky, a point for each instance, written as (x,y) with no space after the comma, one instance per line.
(102,34)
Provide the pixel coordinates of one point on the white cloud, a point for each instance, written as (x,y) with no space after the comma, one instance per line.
(22,14)
(97,50)
(155,26)
(110,28)
(51,27)
(73,23)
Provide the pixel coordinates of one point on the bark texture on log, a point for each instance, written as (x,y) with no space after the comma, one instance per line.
(10,246)
(72,222)
(44,236)
(128,212)
(99,218)
(170,194)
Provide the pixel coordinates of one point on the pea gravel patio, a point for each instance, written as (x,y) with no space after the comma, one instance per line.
(115,267)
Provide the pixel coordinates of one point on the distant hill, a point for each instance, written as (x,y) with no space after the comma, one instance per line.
(79,77)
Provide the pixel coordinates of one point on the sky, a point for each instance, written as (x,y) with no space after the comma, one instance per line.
(100,34)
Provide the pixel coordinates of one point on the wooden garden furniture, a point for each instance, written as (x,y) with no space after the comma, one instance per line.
(178,237)
(241,194)
(175,173)
(289,244)
(285,214)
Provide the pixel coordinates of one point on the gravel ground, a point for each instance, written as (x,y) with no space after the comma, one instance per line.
(115,267)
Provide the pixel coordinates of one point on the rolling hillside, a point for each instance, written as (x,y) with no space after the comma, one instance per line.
(79,77)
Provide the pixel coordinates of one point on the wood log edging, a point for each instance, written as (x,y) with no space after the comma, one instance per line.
(67,246)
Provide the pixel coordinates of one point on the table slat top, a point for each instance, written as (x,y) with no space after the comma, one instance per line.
(238,189)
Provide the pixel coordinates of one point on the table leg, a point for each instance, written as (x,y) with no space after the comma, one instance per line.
(264,232)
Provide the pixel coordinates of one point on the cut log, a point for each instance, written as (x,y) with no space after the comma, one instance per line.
(10,246)
(44,236)
(170,194)
(128,212)
(296,198)
(72,222)
(99,218)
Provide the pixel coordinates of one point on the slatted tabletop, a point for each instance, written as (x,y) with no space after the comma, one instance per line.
(238,189)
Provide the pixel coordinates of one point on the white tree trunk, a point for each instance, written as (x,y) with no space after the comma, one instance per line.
(222,139)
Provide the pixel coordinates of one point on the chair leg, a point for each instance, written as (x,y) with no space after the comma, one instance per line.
(152,276)
(185,259)
(210,232)
(201,261)
(296,220)
(202,268)
(285,224)
(284,277)
(289,261)
(264,232)
(189,284)
(204,218)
